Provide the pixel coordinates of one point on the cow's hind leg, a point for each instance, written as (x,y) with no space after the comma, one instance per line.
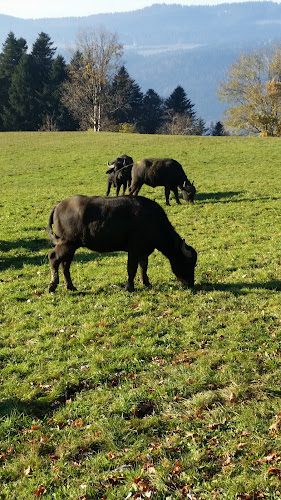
(66,274)
(132,266)
(143,263)
(54,265)
(134,189)
(61,255)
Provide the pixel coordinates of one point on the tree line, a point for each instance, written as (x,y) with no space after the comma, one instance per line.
(40,91)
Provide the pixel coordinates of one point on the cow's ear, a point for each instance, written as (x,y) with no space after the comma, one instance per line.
(109,170)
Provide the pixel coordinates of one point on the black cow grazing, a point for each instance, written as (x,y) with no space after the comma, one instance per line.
(135,225)
(115,165)
(162,172)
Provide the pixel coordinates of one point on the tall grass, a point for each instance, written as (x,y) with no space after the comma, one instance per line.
(165,393)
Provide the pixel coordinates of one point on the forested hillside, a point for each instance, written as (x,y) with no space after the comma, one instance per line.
(187,46)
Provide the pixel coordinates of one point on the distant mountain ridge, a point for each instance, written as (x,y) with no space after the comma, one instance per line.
(168,45)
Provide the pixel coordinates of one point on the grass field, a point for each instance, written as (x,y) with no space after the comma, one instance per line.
(165,393)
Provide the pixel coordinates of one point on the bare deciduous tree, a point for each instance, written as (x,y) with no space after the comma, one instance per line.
(96,61)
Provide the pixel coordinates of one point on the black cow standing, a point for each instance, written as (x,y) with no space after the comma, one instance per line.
(122,180)
(162,172)
(131,224)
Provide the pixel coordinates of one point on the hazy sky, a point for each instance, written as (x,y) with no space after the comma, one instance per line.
(64,8)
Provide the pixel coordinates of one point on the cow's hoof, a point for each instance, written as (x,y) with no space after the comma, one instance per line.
(52,287)
(72,288)
(147,284)
(129,287)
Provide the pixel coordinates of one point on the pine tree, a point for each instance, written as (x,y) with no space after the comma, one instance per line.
(13,50)
(179,103)
(59,116)
(218,129)
(42,55)
(152,113)
(127,97)
(21,113)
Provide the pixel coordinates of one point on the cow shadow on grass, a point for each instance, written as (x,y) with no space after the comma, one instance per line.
(19,249)
(218,197)
(41,407)
(34,409)
(36,245)
(229,197)
(239,288)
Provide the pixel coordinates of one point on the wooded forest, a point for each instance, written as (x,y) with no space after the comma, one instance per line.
(40,91)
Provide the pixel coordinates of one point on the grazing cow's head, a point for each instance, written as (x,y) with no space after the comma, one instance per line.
(188,191)
(184,265)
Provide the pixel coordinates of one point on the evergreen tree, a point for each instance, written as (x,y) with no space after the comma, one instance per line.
(59,116)
(13,50)
(21,112)
(152,113)
(127,97)
(218,129)
(200,127)
(179,103)
(42,55)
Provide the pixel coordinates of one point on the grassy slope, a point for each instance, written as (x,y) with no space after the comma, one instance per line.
(166,392)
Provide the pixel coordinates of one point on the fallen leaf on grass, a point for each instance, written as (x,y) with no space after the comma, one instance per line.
(78,422)
(28,471)
(178,468)
(241,445)
(274,472)
(274,457)
(143,486)
(159,361)
(244,434)
(40,491)
(250,496)
(215,425)
(274,427)
(232,398)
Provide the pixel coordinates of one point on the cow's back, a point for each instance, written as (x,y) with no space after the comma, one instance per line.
(158,172)
(107,224)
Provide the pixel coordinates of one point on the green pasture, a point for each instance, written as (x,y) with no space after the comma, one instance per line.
(166,393)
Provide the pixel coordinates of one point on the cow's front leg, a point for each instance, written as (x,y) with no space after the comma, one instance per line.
(143,263)
(108,188)
(124,187)
(132,266)
(176,193)
(167,195)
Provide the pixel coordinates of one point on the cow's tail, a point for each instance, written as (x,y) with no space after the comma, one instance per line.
(52,236)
